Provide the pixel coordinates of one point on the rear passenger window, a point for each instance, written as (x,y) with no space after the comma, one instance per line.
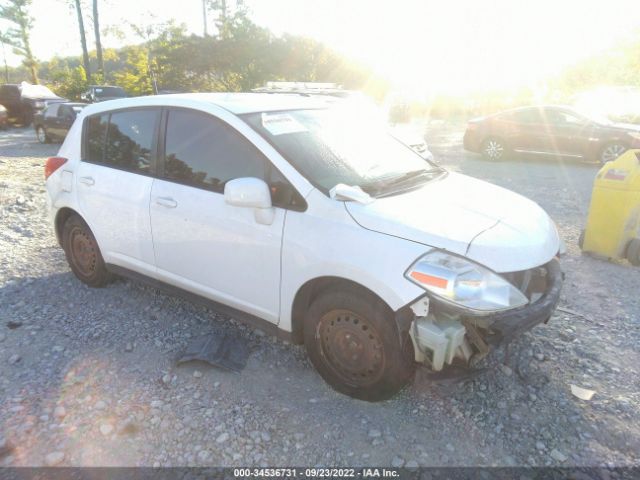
(96,133)
(130,140)
(52,111)
(203,151)
(121,140)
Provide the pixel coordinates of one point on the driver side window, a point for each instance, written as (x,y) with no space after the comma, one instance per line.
(205,152)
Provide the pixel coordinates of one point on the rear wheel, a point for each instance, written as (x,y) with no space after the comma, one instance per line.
(611,152)
(633,252)
(494,149)
(352,340)
(83,253)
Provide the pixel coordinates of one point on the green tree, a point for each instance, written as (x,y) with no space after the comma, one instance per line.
(134,78)
(19,36)
(67,81)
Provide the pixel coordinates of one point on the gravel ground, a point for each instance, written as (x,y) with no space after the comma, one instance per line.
(88,377)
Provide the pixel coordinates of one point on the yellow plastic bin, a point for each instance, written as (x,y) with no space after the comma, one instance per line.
(613,224)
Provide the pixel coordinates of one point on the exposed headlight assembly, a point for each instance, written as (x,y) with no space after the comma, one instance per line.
(461,282)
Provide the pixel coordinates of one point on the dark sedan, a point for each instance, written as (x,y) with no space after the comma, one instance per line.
(54,122)
(549,130)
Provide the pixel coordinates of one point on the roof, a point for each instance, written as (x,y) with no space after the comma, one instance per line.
(237,103)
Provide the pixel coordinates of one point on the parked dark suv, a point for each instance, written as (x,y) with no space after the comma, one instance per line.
(101,93)
(549,130)
(23,100)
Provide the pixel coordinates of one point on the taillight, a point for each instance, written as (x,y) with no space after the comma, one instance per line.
(52,164)
(472,126)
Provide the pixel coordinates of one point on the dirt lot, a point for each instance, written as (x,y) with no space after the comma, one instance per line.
(88,377)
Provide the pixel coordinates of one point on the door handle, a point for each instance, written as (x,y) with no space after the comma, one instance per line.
(166,202)
(87,180)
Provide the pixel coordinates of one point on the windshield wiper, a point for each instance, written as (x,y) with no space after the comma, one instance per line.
(382,185)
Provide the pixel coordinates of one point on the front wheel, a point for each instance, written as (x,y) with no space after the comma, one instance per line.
(494,149)
(353,342)
(611,152)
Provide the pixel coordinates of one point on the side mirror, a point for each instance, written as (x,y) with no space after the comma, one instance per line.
(253,193)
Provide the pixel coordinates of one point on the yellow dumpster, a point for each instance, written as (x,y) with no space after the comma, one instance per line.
(613,224)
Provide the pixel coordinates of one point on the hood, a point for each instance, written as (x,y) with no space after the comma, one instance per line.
(108,97)
(486,223)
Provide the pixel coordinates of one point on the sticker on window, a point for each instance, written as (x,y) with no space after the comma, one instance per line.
(281,123)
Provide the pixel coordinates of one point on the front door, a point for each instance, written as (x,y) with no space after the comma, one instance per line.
(567,132)
(201,243)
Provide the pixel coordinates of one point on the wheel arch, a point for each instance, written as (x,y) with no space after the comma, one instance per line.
(62,216)
(309,291)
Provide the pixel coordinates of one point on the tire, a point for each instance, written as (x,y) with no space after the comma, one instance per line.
(611,151)
(83,253)
(352,340)
(41,134)
(494,149)
(633,252)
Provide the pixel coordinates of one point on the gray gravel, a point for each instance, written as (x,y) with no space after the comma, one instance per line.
(88,377)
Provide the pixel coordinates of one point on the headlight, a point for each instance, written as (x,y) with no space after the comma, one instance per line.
(39,104)
(462,282)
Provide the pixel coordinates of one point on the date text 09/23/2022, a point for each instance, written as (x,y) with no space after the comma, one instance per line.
(315,472)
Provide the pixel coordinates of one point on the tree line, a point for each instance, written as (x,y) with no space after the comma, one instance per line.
(237,56)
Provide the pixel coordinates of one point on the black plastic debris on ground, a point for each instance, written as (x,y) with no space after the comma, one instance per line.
(220,349)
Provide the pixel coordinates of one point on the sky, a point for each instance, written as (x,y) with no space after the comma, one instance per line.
(426,46)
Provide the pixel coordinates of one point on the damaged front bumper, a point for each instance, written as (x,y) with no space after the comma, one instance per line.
(448,338)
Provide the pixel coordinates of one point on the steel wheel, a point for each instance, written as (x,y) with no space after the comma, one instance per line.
(41,134)
(612,152)
(493,149)
(83,251)
(354,342)
(352,347)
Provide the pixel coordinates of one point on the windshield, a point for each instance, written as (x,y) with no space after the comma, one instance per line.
(340,145)
(110,92)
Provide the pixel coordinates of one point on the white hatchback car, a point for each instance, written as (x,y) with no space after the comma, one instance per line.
(309,221)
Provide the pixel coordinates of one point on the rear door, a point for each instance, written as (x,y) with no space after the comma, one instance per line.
(528,132)
(66,116)
(114,182)
(50,119)
(202,244)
